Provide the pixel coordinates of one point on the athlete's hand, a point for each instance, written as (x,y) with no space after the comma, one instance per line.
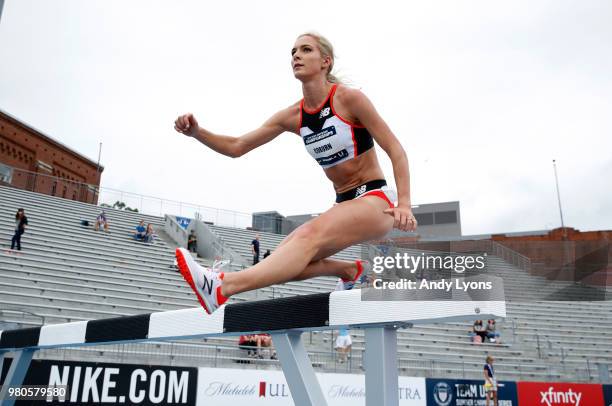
(187,124)
(404,219)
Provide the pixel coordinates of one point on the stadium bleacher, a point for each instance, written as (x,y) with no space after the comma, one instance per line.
(68,272)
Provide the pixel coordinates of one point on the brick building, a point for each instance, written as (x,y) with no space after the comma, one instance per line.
(34,161)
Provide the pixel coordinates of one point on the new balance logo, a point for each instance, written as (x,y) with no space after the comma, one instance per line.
(360,190)
(324,112)
(208,285)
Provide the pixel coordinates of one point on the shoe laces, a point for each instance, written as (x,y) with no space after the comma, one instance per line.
(218,265)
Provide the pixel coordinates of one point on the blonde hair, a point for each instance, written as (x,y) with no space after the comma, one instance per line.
(326,49)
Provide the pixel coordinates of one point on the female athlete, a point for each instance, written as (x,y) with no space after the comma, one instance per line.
(338,126)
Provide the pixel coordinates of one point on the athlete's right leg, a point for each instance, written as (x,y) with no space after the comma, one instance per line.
(346,270)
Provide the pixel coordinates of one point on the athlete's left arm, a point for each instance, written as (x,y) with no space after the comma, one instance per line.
(363,109)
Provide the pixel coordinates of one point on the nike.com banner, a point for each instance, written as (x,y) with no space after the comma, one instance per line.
(559,394)
(237,387)
(467,392)
(90,383)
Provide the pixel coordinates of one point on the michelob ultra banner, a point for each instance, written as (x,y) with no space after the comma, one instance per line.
(559,394)
(467,392)
(240,387)
(92,383)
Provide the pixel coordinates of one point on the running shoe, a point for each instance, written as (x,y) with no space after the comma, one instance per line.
(361,276)
(206,283)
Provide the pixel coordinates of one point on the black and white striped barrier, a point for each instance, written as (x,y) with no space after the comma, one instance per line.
(285,319)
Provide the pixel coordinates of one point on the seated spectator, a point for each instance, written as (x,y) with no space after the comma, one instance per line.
(140,231)
(149,233)
(343,345)
(492,333)
(267,254)
(479,332)
(101,220)
(264,342)
(192,241)
(249,343)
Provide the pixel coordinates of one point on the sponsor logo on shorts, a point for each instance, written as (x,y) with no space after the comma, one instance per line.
(360,190)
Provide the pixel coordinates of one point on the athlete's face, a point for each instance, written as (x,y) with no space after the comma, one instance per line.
(306,59)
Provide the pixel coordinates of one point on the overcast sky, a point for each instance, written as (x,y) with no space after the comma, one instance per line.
(481,94)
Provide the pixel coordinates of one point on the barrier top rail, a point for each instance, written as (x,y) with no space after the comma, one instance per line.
(285,319)
(324,311)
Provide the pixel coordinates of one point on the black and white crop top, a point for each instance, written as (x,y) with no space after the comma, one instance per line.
(329,138)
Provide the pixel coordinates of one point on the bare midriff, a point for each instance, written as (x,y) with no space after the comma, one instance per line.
(355,172)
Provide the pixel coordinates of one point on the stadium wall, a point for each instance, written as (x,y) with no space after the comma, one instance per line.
(91,383)
(33,161)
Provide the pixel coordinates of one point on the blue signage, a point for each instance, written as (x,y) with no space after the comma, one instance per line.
(183,221)
(467,392)
(607,390)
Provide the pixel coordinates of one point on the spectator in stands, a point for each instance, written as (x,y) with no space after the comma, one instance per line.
(255,249)
(264,342)
(266,254)
(492,333)
(140,231)
(249,343)
(257,345)
(479,332)
(343,345)
(490,381)
(149,233)
(101,220)
(192,241)
(21,221)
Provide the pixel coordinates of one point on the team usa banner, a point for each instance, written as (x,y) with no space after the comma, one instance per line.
(466,392)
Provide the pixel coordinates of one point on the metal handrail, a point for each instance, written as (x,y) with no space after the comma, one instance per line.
(509,255)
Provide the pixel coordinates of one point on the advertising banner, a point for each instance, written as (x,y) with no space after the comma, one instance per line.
(559,394)
(240,387)
(467,392)
(183,221)
(607,393)
(91,383)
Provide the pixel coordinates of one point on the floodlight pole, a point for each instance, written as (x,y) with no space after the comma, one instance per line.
(559,196)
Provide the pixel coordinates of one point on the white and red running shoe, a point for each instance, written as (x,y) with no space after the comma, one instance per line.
(206,283)
(344,284)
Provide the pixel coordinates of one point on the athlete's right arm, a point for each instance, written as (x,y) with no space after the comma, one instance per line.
(284,120)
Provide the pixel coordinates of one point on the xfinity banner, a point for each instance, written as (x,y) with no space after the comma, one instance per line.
(465,392)
(89,383)
(236,387)
(560,394)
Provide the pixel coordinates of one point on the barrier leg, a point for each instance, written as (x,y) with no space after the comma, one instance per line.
(380,363)
(2,354)
(16,374)
(300,375)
